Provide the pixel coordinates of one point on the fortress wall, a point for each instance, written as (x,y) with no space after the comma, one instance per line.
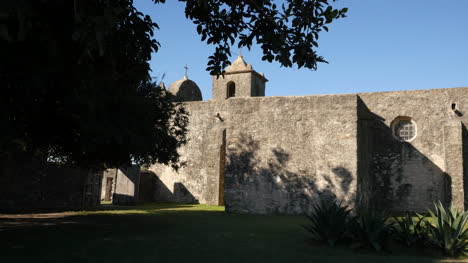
(197,181)
(273,154)
(410,176)
(282,154)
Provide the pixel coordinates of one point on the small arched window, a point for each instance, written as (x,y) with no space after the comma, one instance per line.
(231,89)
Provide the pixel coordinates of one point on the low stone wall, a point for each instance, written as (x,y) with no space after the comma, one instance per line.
(34,185)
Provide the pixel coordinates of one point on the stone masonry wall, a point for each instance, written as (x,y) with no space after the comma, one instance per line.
(412,175)
(108,184)
(282,154)
(127,184)
(243,82)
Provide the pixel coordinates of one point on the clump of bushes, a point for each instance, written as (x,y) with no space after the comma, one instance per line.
(328,222)
(446,229)
(370,229)
(410,230)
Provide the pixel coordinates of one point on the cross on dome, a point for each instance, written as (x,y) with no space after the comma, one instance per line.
(186,69)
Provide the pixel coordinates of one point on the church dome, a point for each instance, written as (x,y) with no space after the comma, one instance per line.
(185,90)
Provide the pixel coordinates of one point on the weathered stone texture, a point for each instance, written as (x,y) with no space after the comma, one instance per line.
(242,81)
(248,82)
(197,182)
(108,184)
(284,154)
(454,162)
(412,175)
(185,90)
(127,185)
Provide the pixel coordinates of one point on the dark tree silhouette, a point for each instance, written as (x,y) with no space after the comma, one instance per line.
(75,80)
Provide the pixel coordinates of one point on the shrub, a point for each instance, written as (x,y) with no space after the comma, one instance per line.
(447,230)
(370,229)
(409,230)
(328,222)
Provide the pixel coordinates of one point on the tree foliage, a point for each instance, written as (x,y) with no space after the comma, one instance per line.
(78,87)
(287,33)
(75,80)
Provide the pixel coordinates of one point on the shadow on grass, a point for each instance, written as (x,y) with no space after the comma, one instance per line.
(103,214)
(145,207)
(177,233)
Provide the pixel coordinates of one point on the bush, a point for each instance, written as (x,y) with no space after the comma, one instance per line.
(328,222)
(410,231)
(370,229)
(447,230)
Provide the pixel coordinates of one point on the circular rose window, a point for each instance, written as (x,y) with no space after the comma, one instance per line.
(404,129)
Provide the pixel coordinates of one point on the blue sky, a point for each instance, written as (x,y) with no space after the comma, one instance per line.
(382,45)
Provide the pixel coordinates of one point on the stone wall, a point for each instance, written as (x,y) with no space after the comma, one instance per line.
(242,81)
(127,184)
(108,184)
(35,185)
(257,86)
(412,175)
(282,154)
(465,160)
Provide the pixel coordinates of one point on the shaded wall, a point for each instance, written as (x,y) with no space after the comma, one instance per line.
(127,184)
(147,186)
(108,184)
(152,189)
(412,175)
(35,185)
(282,154)
(465,157)
(197,181)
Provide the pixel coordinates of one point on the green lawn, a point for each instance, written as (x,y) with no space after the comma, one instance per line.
(173,233)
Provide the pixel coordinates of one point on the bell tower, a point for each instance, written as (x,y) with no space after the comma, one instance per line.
(239,81)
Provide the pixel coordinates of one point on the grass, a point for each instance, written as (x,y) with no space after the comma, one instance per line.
(174,233)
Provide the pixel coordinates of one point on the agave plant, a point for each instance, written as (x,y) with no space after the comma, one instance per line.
(370,229)
(410,230)
(328,222)
(448,230)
